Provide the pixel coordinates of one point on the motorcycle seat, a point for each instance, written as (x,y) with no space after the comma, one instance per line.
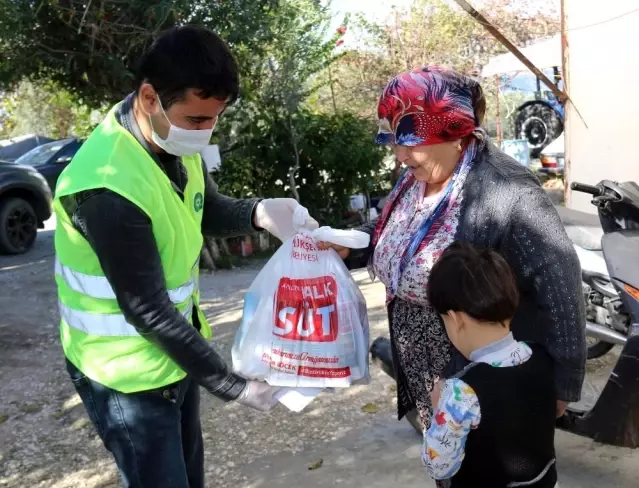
(584,229)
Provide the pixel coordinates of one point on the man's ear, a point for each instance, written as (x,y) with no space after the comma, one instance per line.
(148,98)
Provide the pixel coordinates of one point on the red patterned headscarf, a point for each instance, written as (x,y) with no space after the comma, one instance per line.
(427,106)
(420,108)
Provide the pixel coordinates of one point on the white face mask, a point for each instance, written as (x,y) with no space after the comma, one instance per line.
(181,142)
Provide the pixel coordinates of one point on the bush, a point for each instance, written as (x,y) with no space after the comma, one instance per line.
(338,158)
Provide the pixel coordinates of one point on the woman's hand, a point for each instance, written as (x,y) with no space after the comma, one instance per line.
(561,407)
(341,250)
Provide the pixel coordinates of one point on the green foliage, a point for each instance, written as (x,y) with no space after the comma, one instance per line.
(272,143)
(304,125)
(429,32)
(91,47)
(337,155)
(277,145)
(340,158)
(45,108)
(509,101)
(264,135)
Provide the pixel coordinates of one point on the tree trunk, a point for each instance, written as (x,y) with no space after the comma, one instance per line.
(207,261)
(330,81)
(293,170)
(213,249)
(225,247)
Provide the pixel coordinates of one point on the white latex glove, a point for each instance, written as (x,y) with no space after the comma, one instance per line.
(259,395)
(283,217)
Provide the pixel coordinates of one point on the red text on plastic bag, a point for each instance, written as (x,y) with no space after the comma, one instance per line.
(306,309)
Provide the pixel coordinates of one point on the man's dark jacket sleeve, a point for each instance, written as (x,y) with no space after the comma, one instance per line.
(225,216)
(122,237)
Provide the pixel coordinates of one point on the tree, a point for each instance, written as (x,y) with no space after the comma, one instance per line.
(337,158)
(91,47)
(282,80)
(432,32)
(278,144)
(359,75)
(302,52)
(45,108)
(273,142)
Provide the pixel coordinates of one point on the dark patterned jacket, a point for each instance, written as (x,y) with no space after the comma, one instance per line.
(505,207)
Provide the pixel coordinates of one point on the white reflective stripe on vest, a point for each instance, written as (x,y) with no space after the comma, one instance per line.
(103,324)
(99,286)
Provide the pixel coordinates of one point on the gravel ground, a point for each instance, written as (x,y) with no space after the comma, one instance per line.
(46,439)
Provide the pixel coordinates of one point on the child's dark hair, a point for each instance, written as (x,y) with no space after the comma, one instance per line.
(478,282)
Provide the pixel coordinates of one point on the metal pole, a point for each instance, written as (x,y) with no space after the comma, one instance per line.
(511,47)
(500,134)
(565,75)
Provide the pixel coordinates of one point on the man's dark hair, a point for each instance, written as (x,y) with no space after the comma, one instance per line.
(478,282)
(189,57)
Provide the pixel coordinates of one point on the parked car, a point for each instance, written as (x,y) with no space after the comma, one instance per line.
(12,149)
(51,158)
(552,156)
(25,203)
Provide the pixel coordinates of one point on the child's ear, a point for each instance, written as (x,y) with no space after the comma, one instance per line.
(456,320)
(459,320)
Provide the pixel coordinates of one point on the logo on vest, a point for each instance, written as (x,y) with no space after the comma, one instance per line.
(198,202)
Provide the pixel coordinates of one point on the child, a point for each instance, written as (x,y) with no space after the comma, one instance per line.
(494,422)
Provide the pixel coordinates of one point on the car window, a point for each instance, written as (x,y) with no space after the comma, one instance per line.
(41,154)
(66,155)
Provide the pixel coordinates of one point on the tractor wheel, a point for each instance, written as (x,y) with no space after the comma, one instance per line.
(539,124)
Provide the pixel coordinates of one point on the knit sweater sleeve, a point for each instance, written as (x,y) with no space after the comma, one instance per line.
(548,271)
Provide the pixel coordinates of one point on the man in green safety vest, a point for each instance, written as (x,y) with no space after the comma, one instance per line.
(131,209)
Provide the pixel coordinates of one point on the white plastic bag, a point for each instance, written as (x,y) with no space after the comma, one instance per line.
(305,323)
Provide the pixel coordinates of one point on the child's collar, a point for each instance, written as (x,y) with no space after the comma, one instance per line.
(492,348)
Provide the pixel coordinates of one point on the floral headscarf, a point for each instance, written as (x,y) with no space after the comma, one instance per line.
(427,106)
(420,108)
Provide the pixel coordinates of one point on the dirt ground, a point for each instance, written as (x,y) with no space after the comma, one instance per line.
(47,441)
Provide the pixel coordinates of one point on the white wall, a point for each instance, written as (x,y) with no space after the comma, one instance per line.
(603,82)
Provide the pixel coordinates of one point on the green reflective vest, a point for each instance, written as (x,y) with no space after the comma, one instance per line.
(95,335)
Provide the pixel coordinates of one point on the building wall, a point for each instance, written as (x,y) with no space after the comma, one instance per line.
(602,133)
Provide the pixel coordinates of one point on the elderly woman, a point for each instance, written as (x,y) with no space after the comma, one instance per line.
(459,186)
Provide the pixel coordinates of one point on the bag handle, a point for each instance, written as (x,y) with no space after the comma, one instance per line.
(352,239)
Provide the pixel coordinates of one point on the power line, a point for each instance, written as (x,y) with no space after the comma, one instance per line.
(585,26)
(603,21)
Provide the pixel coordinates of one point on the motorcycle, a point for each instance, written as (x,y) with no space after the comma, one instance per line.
(607,322)
(612,415)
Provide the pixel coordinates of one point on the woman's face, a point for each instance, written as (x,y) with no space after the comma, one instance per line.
(432,164)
